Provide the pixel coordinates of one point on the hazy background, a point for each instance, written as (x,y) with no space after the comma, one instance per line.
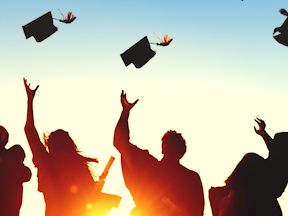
(222,70)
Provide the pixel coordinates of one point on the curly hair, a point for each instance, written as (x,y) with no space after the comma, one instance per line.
(173,144)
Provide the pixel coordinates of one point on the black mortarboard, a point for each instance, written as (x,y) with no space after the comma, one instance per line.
(40,28)
(280,34)
(139,54)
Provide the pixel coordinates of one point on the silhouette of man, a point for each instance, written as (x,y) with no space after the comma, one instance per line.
(13,173)
(162,187)
(256,183)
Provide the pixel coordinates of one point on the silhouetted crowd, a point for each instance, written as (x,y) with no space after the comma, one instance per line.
(158,187)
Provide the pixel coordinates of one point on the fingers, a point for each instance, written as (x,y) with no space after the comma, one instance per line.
(259,121)
(36,88)
(25,82)
(259,124)
(27,86)
(135,102)
(123,95)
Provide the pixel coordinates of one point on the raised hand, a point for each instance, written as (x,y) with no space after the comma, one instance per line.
(30,92)
(127,106)
(261,125)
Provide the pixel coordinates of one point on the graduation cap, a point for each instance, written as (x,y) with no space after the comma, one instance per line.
(280,34)
(139,54)
(40,28)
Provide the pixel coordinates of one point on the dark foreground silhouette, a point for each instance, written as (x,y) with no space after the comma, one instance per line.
(63,175)
(162,188)
(13,173)
(256,183)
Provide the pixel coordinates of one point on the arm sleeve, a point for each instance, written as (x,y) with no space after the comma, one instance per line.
(38,150)
(122,138)
(268,141)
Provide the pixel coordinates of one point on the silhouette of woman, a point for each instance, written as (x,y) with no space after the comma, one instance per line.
(256,183)
(63,174)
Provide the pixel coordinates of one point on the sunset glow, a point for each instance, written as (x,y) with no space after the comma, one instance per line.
(221,71)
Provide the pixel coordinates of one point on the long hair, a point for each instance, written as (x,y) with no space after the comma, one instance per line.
(69,171)
(63,149)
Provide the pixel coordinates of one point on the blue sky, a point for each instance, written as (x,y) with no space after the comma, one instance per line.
(228,38)
(222,70)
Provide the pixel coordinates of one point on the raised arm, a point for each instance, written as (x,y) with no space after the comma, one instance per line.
(30,130)
(262,132)
(121,133)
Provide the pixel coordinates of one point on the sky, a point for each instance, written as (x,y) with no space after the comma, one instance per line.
(222,70)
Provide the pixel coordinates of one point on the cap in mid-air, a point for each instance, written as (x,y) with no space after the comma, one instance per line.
(40,28)
(138,54)
(280,34)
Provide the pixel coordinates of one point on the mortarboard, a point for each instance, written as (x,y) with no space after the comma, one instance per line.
(280,34)
(40,28)
(139,54)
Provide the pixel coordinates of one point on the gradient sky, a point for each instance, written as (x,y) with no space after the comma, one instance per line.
(222,70)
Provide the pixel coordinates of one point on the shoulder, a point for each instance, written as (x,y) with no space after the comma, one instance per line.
(139,157)
(141,152)
(193,175)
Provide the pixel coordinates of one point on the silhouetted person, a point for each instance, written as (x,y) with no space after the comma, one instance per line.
(256,183)
(63,174)
(13,173)
(162,187)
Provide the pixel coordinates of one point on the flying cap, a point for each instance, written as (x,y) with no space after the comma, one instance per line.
(280,34)
(40,28)
(139,54)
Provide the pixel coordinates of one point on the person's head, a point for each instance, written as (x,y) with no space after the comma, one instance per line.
(278,157)
(173,145)
(16,153)
(4,136)
(280,144)
(59,143)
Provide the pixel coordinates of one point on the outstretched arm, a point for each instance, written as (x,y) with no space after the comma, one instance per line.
(121,133)
(30,130)
(262,132)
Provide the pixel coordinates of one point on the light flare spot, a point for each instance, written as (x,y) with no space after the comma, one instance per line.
(89,206)
(73,189)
